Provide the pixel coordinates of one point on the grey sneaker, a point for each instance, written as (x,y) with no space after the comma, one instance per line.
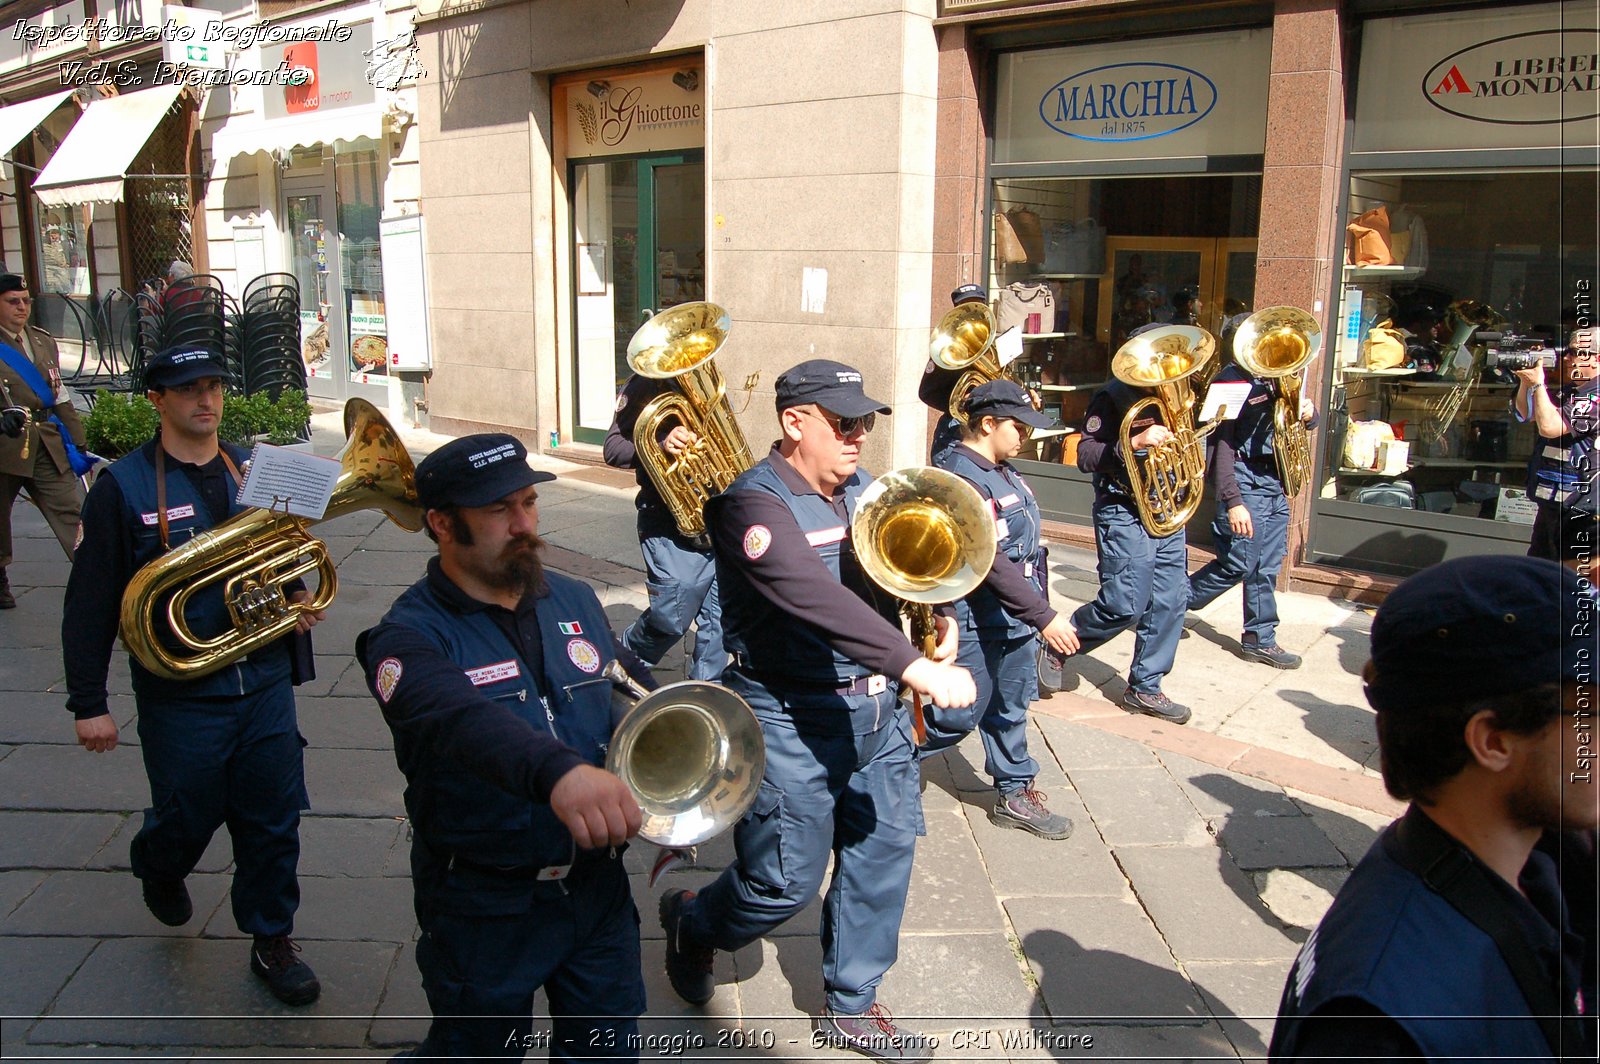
(874,1034)
(1155,704)
(1269,654)
(1025,809)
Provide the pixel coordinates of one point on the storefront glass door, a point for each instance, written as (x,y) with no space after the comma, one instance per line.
(638,247)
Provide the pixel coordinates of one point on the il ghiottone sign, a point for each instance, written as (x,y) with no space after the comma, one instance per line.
(1197,95)
(1128,101)
(1523,79)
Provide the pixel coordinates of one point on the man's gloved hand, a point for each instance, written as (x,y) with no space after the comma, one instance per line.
(12,420)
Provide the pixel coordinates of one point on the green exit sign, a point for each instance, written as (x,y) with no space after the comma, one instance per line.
(197,53)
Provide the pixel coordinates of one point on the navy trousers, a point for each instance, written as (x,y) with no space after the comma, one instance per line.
(1143,581)
(826,792)
(1006,672)
(234,761)
(682,584)
(1253,561)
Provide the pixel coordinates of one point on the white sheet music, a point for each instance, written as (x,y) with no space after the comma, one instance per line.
(280,478)
(1228,394)
(1008,345)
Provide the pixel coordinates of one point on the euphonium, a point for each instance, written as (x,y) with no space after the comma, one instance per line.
(691,753)
(679,342)
(1168,481)
(1277,342)
(255,553)
(964,340)
(925,536)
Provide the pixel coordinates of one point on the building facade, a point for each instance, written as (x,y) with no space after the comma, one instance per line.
(830,172)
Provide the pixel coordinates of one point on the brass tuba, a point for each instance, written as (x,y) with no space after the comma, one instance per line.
(1168,481)
(255,553)
(1277,342)
(925,536)
(680,342)
(964,340)
(692,754)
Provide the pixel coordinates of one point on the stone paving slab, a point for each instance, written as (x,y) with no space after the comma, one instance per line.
(199,992)
(39,717)
(54,840)
(1108,961)
(1324,726)
(346,723)
(1299,896)
(1257,841)
(36,970)
(949,890)
(1217,793)
(110,904)
(1350,828)
(402,1016)
(1244,997)
(30,672)
(347,846)
(1022,864)
(359,783)
(67,777)
(1076,746)
(945,981)
(375,909)
(1205,907)
(16,886)
(1139,807)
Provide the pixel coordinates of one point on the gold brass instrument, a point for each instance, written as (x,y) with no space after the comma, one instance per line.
(964,340)
(1277,342)
(255,553)
(925,536)
(680,342)
(1168,481)
(691,753)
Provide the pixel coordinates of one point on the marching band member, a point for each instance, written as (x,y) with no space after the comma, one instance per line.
(1252,524)
(819,655)
(1003,620)
(220,748)
(937,383)
(681,574)
(1144,579)
(488,672)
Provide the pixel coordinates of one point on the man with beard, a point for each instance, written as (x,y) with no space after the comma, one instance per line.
(488,671)
(1563,473)
(1455,937)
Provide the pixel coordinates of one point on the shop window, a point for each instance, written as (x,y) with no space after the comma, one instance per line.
(359,176)
(1449,272)
(1079,264)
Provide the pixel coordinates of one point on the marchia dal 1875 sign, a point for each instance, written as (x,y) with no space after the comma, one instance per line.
(1128,101)
(1522,79)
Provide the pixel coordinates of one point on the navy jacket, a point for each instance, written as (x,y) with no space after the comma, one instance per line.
(1008,603)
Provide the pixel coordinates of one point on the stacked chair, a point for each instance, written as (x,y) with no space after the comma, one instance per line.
(268,335)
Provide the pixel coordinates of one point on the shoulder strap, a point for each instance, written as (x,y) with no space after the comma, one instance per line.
(1425,850)
(23,367)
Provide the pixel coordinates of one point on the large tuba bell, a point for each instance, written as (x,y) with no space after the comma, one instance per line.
(691,753)
(964,340)
(1277,342)
(1168,481)
(252,555)
(925,536)
(680,342)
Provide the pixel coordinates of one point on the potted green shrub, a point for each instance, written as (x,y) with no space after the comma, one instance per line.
(120,423)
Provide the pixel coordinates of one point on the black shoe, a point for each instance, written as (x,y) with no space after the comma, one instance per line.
(7,600)
(1155,704)
(875,1034)
(290,979)
(168,901)
(1026,810)
(1269,654)
(688,965)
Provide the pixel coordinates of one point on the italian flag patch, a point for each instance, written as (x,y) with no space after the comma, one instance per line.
(570,628)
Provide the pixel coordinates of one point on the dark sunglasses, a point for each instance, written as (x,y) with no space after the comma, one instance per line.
(846,427)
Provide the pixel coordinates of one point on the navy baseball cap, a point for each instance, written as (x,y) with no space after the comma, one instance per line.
(969,293)
(831,385)
(1486,625)
(1005,399)
(180,365)
(476,471)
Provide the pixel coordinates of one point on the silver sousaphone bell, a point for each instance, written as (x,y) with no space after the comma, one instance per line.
(691,753)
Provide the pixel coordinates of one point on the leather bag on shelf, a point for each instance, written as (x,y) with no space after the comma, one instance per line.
(1367,242)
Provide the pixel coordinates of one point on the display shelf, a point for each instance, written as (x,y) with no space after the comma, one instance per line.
(1379,374)
(1066,276)
(1351,471)
(1045,336)
(1465,463)
(1383,273)
(1072,387)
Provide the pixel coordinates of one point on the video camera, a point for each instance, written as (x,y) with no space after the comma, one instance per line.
(1509,351)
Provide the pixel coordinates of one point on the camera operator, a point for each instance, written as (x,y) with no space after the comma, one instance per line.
(1561,473)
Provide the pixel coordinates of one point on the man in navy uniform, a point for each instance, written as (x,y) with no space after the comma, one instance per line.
(819,655)
(220,748)
(1144,579)
(937,383)
(1003,621)
(1452,940)
(1563,473)
(680,572)
(489,672)
(1252,523)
